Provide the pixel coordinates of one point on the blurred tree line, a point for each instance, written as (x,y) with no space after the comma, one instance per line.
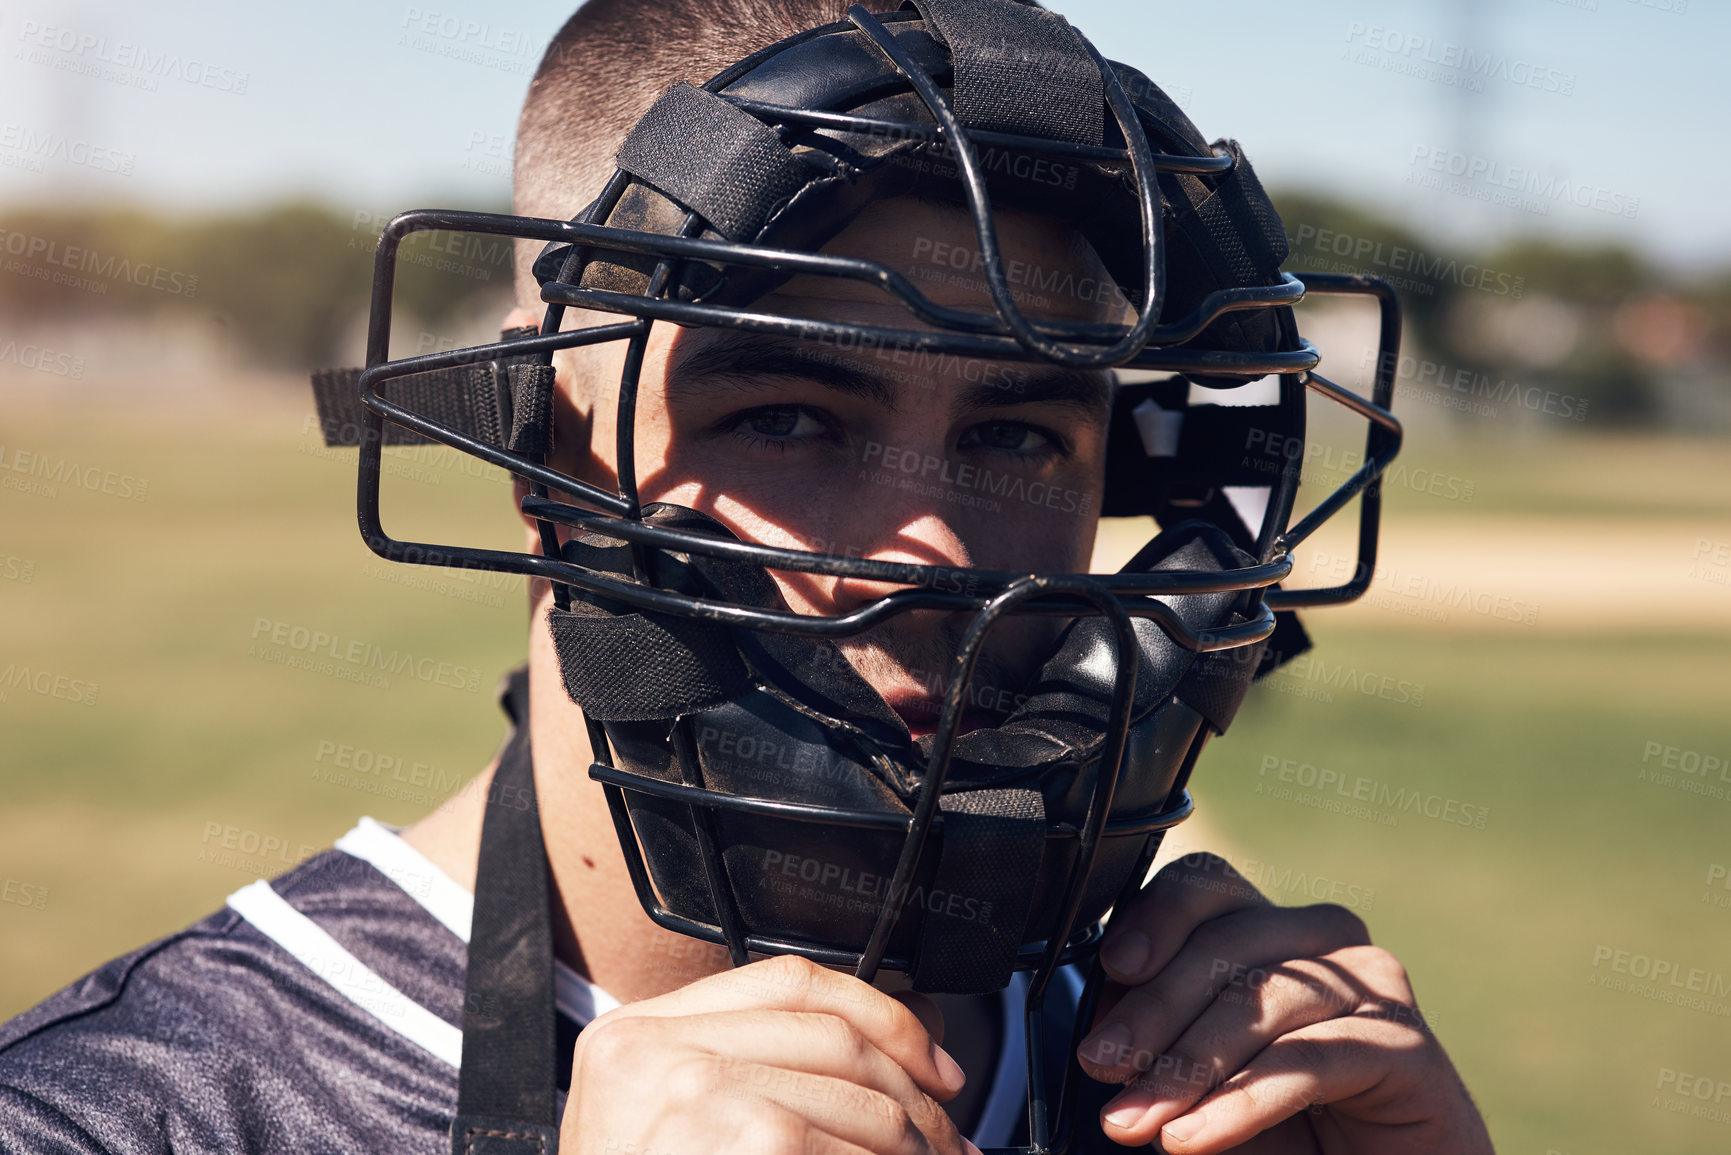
(290,283)
(1597,324)
(1536,318)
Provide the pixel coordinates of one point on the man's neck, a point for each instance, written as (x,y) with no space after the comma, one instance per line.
(599,927)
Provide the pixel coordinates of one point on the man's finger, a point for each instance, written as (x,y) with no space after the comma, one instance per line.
(790,983)
(925,1010)
(1145,934)
(1237,946)
(1245,1018)
(1321,1064)
(799,1043)
(770,1128)
(851,1113)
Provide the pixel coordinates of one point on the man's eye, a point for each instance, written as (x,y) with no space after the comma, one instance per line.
(780,423)
(1008,437)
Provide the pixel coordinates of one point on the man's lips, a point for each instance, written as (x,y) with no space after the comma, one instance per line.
(921,712)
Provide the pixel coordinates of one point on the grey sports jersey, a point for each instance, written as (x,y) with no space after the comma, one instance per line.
(322,1012)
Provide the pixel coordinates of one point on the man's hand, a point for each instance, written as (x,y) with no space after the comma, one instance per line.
(781,1057)
(1229,1017)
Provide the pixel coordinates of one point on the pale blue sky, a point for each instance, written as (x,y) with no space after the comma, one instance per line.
(375,107)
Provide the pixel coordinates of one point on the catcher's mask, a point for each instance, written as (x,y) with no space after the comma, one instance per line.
(765,795)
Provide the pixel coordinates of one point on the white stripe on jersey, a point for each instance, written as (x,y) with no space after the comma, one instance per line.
(373,842)
(444,898)
(316,950)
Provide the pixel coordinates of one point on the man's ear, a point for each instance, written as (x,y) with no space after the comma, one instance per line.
(520,318)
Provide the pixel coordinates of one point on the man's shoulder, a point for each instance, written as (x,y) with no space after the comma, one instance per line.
(323,1002)
(116,1033)
(104,986)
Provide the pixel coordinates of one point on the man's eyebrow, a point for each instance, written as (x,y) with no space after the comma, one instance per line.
(1090,392)
(738,357)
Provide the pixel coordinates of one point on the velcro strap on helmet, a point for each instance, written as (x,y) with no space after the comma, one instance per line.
(1019,69)
(644,667)
(727,165)
(976,906)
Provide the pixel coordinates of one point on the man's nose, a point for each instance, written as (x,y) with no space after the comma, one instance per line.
(923,539)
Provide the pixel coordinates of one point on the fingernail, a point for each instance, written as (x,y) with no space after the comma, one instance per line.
(1127,1109)
(949,1070)
(1108,1046)
(1127,954)
(1185,1127)
(968,1146)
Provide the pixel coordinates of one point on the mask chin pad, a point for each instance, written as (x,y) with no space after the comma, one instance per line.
(1053,742)
(787,719)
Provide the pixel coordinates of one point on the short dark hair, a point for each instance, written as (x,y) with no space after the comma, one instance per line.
(604,69)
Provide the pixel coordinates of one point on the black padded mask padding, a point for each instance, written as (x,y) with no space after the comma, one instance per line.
(811,672)
(1218,445)
(1053,742)
(1237,225)
(1019,69)
(1007,66)
(726,164)
(977,904)
(639,667)
(1065,712)
(842,70)
(625,666)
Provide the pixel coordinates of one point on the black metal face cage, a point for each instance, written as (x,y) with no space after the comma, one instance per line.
(1007,334)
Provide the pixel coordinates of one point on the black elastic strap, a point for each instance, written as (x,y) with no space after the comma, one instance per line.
(475,400)
(505,1090)
(531,408)
(463,398)
(1019,69)
(976,907)
(493,422)
(727,165)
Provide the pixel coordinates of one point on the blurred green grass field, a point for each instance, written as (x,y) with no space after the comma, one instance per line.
(114,814)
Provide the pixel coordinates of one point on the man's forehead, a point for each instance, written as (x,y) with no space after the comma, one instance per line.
(1052,269)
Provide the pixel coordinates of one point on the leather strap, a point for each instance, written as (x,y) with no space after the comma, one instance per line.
(505,1090)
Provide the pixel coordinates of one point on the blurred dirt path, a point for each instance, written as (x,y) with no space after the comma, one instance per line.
(1526,572)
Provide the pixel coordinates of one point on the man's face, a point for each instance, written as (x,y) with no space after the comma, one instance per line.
(885,453)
